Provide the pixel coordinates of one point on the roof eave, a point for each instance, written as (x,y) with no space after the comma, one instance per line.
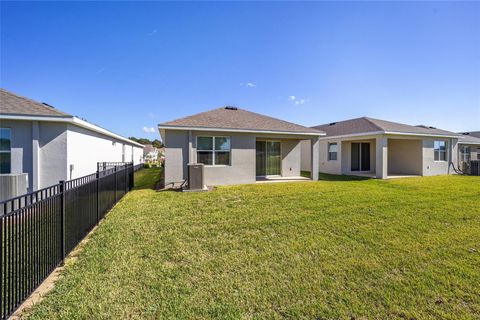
(373,133)
(70,120)
(217,129)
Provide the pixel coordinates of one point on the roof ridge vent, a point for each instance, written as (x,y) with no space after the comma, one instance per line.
(332,123)
(231,108)
(48,105)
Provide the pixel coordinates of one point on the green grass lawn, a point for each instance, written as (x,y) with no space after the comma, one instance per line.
(363,249)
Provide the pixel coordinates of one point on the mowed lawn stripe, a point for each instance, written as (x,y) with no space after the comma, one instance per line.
(337,248)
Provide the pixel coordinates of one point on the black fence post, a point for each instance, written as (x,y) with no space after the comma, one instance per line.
(126,178)
(62,220)
(98,194)
(115,190)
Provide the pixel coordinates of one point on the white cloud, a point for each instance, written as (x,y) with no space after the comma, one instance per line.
(151,115)
(248,84)
(149,129)
(153,32)
(296,100)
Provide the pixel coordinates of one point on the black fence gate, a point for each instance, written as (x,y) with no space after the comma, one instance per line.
(39,229)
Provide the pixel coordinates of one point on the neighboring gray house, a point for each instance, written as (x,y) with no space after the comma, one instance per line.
(50,145)
(236,146)
(469,148)
(383,149)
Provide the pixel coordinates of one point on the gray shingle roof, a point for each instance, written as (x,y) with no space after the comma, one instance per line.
(369,125)
(14,104)
(472,134)
(468,138)
(239,119)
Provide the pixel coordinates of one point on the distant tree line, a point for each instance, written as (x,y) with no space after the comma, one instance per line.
(156,143)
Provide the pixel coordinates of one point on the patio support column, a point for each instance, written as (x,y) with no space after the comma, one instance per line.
(314,158)
(381,163)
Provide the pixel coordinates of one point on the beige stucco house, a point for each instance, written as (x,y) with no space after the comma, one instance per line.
(236,146)
(383,149)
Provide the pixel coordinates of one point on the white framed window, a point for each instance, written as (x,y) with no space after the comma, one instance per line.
(5,150)
(332,151)
(213,150)
(440,150)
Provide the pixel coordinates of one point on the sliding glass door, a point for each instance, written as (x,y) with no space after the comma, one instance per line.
(268,158)
(360,160)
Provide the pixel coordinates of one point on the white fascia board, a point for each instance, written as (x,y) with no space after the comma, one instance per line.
(468,142)
(352,135)
(374,133)
(163,127)
(423,134)
(71,120)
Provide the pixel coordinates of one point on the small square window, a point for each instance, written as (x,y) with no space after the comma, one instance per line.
(332,151)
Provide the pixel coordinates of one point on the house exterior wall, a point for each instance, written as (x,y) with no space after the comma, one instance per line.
(21,147)
(242,168)
(389,154)
(52,160)
(242,160)
(45,150)
(405,156)
(86,148)
(432,167)
(306,153)
(176,156)
(291,158)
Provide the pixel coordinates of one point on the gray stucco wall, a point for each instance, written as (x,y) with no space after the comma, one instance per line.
(176,156)
(42,150)
(53,153)
(242,160)
(242,168)
(291,158)
(432,167)
(405,156)
(21,147)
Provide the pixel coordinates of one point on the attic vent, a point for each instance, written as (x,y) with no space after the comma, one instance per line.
(46,104)
(332,124)
(231,108)
(426,127)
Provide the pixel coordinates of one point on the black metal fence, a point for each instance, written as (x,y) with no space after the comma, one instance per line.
(39,229)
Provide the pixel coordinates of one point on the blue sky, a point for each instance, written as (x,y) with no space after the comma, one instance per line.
(130,65)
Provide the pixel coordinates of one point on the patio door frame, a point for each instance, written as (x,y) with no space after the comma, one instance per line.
(360,163)
(266,155)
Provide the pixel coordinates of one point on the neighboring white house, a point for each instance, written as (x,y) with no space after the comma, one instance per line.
(50,145)
(150,153)
(383,149)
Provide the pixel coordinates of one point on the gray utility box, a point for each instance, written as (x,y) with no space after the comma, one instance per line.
(195,176)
